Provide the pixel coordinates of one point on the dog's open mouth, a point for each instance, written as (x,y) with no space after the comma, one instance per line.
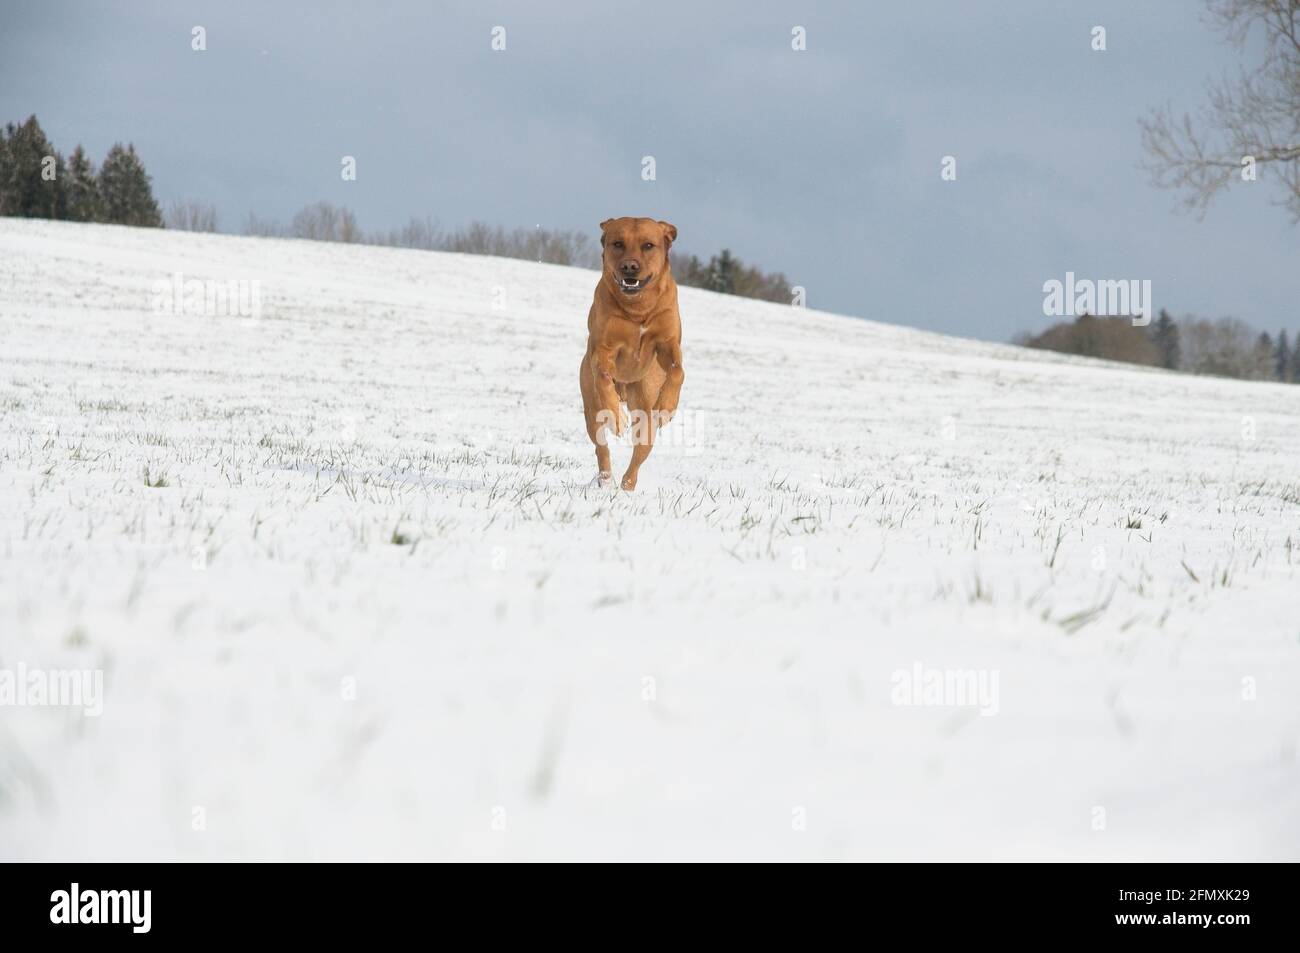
(630,286)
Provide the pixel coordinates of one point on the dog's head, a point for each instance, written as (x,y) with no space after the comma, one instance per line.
(635,253)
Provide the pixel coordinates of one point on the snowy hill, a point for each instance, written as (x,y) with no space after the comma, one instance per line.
(351,596)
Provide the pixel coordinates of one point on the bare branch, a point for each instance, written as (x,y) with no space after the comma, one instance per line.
(1252,121)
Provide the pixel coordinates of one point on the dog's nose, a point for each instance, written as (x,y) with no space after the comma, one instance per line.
(630,268)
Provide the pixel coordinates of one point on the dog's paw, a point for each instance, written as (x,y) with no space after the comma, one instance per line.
(663,416)
(618,422)
(601,481)
(612,420)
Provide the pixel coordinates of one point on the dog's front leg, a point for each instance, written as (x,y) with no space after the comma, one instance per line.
(669,356)
(602,367)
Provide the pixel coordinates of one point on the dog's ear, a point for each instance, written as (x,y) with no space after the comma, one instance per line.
(670,232)
(603,226)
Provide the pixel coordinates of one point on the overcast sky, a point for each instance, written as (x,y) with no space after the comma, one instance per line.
(823,164)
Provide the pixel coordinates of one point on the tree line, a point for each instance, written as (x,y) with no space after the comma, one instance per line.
(726,273)
(324,221)
(1226,347)
(36,181)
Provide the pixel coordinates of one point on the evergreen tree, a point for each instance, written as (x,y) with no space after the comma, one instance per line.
(1164,334)
(729,274)
(1263,357)
(125,191)
(1295,361)
(83,189)
(32,174)
(722,273)
(688,269)
(1282,358)
(4,169)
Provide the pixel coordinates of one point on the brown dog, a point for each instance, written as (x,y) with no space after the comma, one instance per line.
(634,340)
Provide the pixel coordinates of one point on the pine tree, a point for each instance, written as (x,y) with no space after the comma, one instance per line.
(4,170)
(1295,361)
(1263,357)
(1164,334)
(687,269)
(125,191)
(83,189)
(32,174)
(1282,358)
(722,273)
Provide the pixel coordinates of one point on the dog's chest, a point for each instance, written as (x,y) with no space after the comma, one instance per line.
(638,352)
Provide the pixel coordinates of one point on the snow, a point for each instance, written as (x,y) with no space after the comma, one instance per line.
(376,610)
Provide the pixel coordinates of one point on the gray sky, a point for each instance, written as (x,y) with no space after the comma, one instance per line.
(823,164)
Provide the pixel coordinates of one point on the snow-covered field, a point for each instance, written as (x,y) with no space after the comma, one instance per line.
(351,596)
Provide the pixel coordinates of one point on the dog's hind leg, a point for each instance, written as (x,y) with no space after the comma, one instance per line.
(641,398)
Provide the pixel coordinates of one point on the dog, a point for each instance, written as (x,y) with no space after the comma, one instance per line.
(634,342)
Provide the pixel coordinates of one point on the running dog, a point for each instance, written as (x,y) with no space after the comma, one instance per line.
(634,341)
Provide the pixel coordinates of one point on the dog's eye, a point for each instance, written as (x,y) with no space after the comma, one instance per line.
(647,246)
(618,244)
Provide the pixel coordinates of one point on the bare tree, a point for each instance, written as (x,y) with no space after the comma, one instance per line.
(324,222)
(1247,123)
(187,215)
(264,227)
(1224,348)
(348,229)
(315,222)
(556,246)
